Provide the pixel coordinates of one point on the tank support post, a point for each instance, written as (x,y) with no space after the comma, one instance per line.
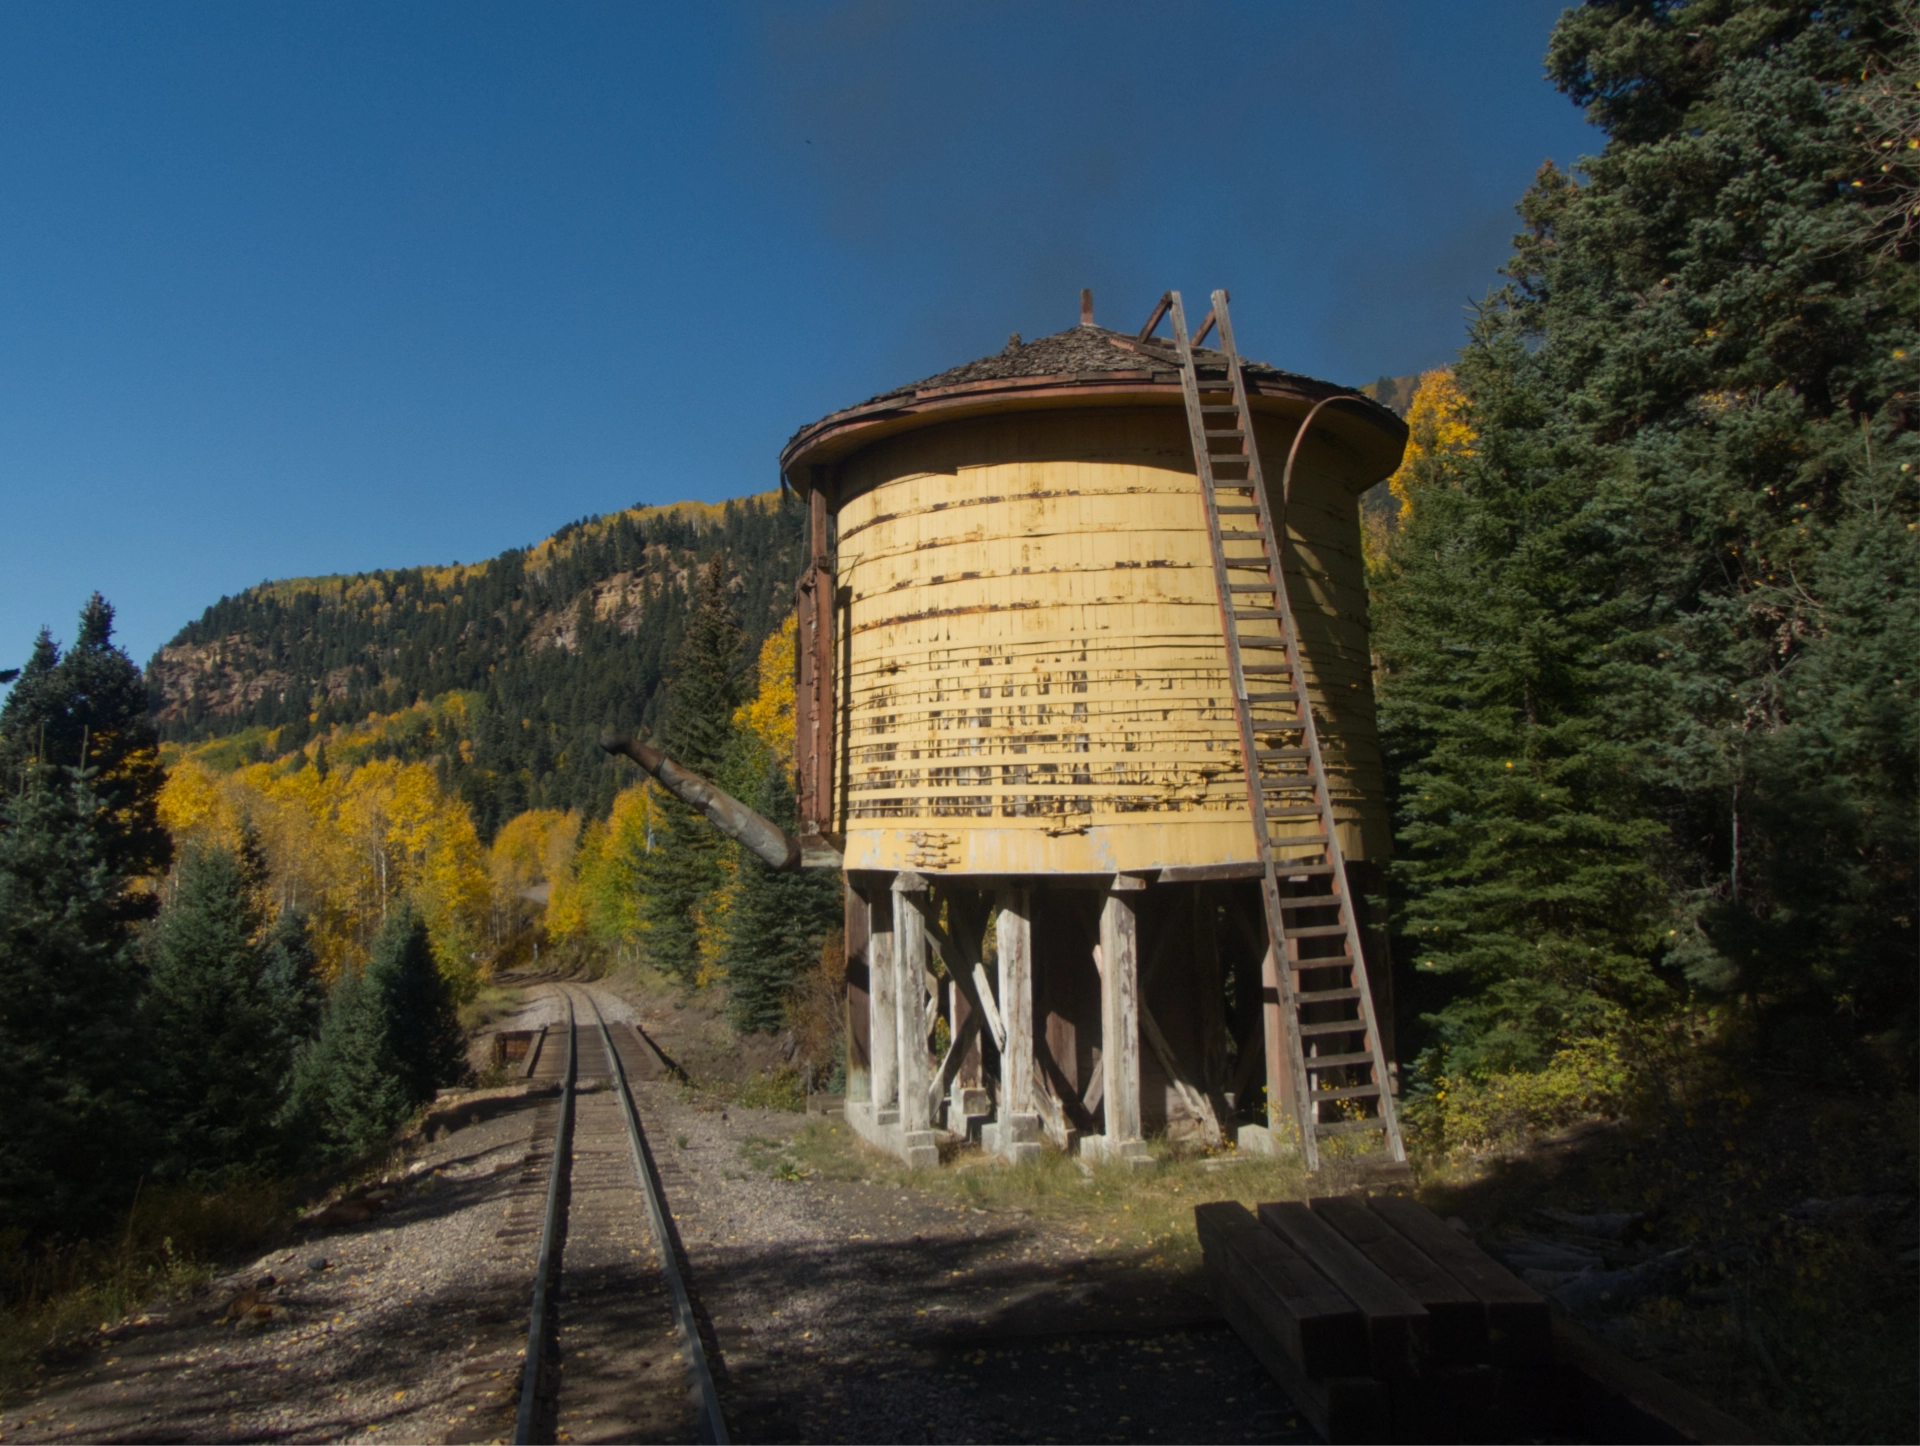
(1119,963)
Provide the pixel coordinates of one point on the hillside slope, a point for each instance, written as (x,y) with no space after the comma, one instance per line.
(546,646)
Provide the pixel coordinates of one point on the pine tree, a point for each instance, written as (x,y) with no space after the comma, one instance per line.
(777,922)
(389,1038)
(291,976)
(1524,877)
(429,1047)
(223,1028)
(683,866)
(88,709)
(71,1148)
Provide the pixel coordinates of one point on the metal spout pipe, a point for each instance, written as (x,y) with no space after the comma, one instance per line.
(758,834)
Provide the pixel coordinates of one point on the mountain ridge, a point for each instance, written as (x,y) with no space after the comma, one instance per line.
(551,643)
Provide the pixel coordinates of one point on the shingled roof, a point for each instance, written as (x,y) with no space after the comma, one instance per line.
(1055,370)
(1079,349)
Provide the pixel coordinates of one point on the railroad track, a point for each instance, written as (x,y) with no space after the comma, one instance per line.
(613,1348)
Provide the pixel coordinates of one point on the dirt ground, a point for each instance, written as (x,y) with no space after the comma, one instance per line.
(839,1301)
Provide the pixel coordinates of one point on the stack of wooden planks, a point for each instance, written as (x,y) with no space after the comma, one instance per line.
(1384,1324)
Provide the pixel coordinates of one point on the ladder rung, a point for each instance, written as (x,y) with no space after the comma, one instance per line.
(1235,411)
(1352,1092)
(1325,996)
(1334,1026)
(1248,586)
(1230,432)
(1332,961)
(1243,536)
(1338,1061)
(1267,755)
(1308,901)
(1317,931)
(1250,615)
(1265,668)
(1236,511)
(1263,642)
(1349,1127)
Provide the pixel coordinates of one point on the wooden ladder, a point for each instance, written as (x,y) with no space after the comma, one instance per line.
(1335,1073)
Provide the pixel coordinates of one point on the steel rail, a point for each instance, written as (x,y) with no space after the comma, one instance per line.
(706,1400)
(549,1241)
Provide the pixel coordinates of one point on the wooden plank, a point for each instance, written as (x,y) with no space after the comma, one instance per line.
(1120,1017)
(883,1024)
(1340,1408)
(1285,1080)
(1318,1328)
(857,1002)
(1620,1400)
(1014,940)
(950,1064)
(1397,1324)
(910,975)
(1204,873)
(1518,1327)
(1457,1322)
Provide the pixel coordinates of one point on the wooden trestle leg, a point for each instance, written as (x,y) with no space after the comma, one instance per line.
(910,897)
(1016,1134)
(883,1031)
(1119,962)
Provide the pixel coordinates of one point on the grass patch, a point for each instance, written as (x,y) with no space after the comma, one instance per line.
(1142,1212)
(174,1241)
(774,1089)
(489,1003)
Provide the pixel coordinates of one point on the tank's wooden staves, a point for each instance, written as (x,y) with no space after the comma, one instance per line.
(1333,1075)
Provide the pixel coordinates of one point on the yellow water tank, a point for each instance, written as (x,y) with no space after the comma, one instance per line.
(1030,675)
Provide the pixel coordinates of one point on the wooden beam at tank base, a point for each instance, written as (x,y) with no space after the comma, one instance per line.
(910,898)
(1014,948)
(1015,1135)
(1119,961)
(883,975)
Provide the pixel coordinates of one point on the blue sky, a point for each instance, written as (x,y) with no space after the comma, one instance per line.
(293,289)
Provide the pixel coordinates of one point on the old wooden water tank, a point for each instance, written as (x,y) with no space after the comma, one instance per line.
(1029,673)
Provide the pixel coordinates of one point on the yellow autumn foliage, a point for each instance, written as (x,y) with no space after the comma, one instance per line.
(595,901)
(345,846)
(1440,436)
(768,715)
(532,849)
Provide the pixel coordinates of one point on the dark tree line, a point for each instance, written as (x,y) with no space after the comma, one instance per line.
(161,1023)
(1649,649)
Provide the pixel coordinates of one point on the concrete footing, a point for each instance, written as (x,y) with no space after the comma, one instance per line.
(1259,1140)
(1101,1148)
(1016,1139)
(881,1128)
